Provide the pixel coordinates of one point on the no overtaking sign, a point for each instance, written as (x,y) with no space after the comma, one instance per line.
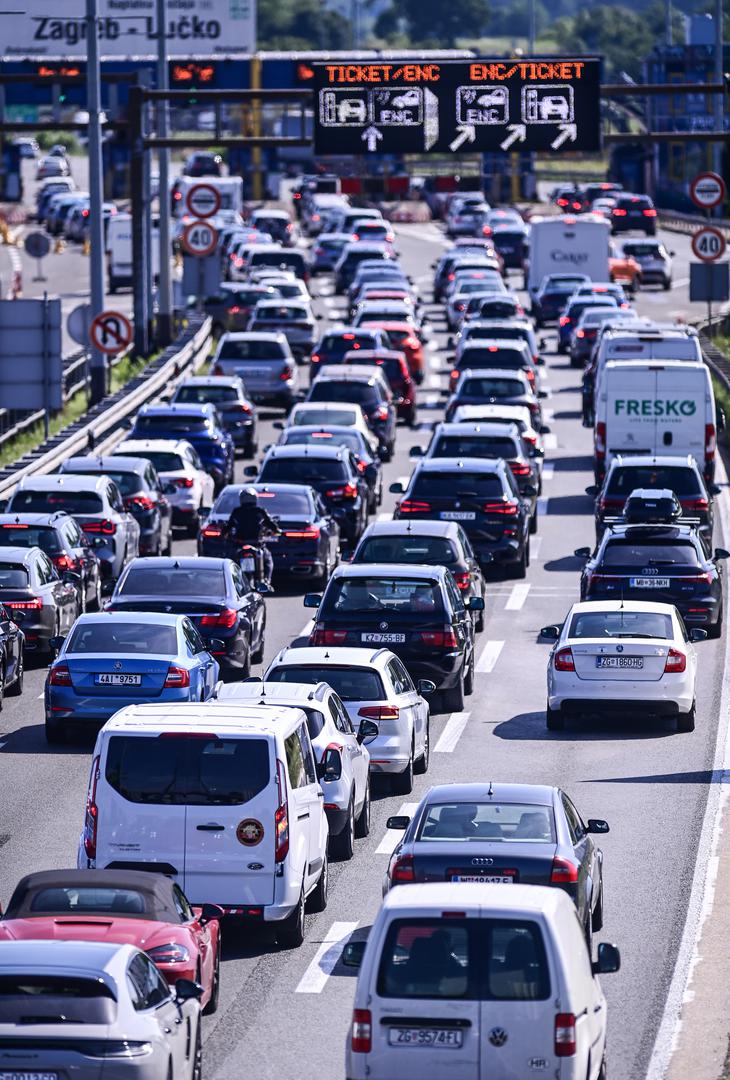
(203,201)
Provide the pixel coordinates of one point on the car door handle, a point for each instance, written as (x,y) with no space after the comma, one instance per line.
(320,794)
(301,817)
(210,828)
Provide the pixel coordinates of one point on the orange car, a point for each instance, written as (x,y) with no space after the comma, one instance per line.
(624,270)
(404,337)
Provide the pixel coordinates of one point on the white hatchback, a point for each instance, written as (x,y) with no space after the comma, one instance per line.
(191,488)
(622,657)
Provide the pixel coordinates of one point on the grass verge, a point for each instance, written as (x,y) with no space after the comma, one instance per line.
(722,397)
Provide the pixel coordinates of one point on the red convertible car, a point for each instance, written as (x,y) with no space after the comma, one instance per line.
(125,907)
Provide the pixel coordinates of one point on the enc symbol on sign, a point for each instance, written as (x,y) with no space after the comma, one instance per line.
(110,332)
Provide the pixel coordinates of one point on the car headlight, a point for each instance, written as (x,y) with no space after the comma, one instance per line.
(171,953)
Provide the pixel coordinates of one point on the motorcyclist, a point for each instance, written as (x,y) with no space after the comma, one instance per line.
(249,523)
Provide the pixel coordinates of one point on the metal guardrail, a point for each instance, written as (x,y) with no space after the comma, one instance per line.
(101,425)
(688,223)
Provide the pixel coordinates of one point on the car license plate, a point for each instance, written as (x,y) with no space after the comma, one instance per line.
(620,661)
(490,879)
(458,515)
(115,679)
(24,1074)
(381,639)
(649,582)
(441,1037)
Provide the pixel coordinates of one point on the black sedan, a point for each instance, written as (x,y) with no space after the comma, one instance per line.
(65,544)
(667,564)
(32,590)
(503,833)
(12,655)
(491,386)
(215,596)
(339,435)
(356,386)
(309,544)
(426,543)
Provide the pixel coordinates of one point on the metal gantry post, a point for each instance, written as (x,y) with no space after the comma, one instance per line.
(164,293)
(140,254)
(719,98)
(96,194)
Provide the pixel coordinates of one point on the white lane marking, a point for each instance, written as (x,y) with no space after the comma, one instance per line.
(314,979)
(548,470)
(489,656)
(385,516)
(433,380)
(535,546)
(680,284)
(330,301)
(452,733)
(432,345)
(307,629)
(548,415)
(42,694)
(548,390)
(550,441)
(432,400)
(390,841)
(702,894)
(517,597)
(542,505)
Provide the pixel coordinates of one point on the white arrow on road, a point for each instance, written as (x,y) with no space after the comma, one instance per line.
(372,137)
(466,132)
(516,131)
(567,131)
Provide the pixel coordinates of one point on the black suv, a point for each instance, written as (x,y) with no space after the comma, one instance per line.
(65,544)
(634,212)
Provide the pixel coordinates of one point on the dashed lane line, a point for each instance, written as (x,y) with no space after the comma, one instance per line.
(307,629)
(314,979)
(550,441)
(390,841)
(452,733)
(489,656)
(385,516)
(542,505)
(516,599)
(535,547)
(548,470)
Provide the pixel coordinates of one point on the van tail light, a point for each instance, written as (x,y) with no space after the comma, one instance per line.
(439,639)
(599,442)
(361,1041)
(565,1033)
(564,872)
(281,816)
(563,660)
(321,636)
(59,675)
(105,527)
(710,440)
(401,870)
(676,661)
(414,506)
(381,413)
(177,677)
(649,213)
(91,819)
(225,619)
(379,712)
(463,580)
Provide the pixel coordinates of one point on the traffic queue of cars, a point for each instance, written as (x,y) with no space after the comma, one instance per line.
(195,760)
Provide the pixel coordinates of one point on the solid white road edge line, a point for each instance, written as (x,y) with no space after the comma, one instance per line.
(517,597)
(489,656)
(314,979)
(702,893)
(550,441)
(451,733)
(389,842)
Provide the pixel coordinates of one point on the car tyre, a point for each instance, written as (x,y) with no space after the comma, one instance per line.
(198,1057)
(453,699)
(54,732)
(16,689)
(533,522)
(402,783)
(290,931)
(362,825)
(318,897)
(554,719)
(518,569)
(215,994)
(421,765)
(686,721)
(715,631)
(343,844)
(597,916)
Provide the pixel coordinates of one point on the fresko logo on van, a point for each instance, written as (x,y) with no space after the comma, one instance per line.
(654,407)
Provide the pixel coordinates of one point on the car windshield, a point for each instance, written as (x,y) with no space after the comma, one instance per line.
(610,624)
(190,770)
(350,683)
(339,344)
(73,502)
(28,536)
(184,425)
(251,350)
(122,638)
(493,821)
(492,387)
(34,998)
(653,553)
(389,595)
(358,393)
(489,446)
(427,550)
(679,479)
(303,470)
(276,503)
(94,900)
(173,581)
(201,395)
(163,460)
(329,415)
(13,576)
(453,485)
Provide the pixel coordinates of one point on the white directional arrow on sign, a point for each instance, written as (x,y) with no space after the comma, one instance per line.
(466,132)
(516,131)
(567,131)
(372,137)
(431,118)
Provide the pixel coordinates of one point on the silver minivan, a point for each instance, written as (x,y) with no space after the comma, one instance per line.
(265,363)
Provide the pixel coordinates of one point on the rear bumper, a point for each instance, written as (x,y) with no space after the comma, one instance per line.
(619,707)
(665,697)
(65,705)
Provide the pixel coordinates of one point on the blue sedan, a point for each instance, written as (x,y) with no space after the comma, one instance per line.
(115,659)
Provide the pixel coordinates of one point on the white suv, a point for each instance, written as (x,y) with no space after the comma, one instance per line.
(191,488)
(342,759)
(374,685)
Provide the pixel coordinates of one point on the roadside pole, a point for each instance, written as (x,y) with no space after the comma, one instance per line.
(256,154)
(140,252)
(164,293)
(719,98)
(98,363)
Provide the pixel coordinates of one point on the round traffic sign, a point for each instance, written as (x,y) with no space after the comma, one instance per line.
(37,245)
(708,243)
(199,238)
(707,190)
(203,201)
(110,332)
(78,322)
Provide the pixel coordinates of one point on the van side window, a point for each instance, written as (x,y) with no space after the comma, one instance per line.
(307,755)
(147,987)
(295,761)
(516,964)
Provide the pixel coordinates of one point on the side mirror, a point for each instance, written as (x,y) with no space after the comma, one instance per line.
(415,451)
(597,825)
(582,553)
(353,953)
(697,634)
(550,633)
(187,990)
(251,470)
(715,489)
(215,645)
(399,822)
(368,730)
(383,453)
(720,418)
(537,452)
(475,603)
(539,361)
(209,913)
(56,642)
(426,687)
(542,393)
(609,959)
(530,490)
(262,587)
(544,429)
(721,553)
(312,599)
(592,490)
(168,488)
(371,473)
(279,425)
(397,488)
(330,767)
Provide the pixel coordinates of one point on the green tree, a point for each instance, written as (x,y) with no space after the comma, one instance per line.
(433,23)
(301,24)
(619,34)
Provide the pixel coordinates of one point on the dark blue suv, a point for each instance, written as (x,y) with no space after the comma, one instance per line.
(200,425)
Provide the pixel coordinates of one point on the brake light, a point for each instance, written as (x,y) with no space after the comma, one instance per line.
(410,343)
(618,213)
(379,712)
(91,820)
(564,872)
(25,605)
(183,481)
(506,509)
(315,358)
(531,440)
(676,661)
(65,562)
(439,639)
(562,202)
(564,320)
(463,580)
(348,491)
(580,333)
(106,527)
(321,636)
(381,413)
(519,469)
(649,213)
(281,816)
(530,376)
(565,1043)
(139,502)
(59,675)
(695,504)
(211,532)
(401,871)
(177,677)
(304,534)
(414,506)
(454,374)
(240,409)
(235,310)
(607,503)
(563,660)
(600,440)
(361,1041)
(225,618)
(710,440)
(486,230)
(286,375)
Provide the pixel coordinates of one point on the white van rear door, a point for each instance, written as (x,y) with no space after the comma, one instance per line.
(630,410)
(681,393)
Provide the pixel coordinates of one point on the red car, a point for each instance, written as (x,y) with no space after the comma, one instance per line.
(405,339)
(399,376)
(124,907)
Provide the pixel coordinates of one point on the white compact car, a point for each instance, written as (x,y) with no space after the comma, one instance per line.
(469,980)
(340,753)
(119,1016)
(191,488)
(619,657)
(373,685)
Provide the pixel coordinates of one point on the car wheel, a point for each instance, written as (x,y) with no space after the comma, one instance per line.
(533,523)
(421,765)
(362,825)
(192,529)
(588,932)
(519,569)
(479,624)
(2,687)
(16,689)
(97,593)
(198,1057)
(597,916)
(554,719)
(715,631)
(469,678)
(453,700)
(402,783)
(318,897)
(667,285)
(215,994)
(343,844)
(257,657)
(686,721)
(603,1074)
(54,731)
(290,931)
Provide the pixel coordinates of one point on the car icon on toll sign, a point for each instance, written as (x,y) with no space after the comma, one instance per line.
(409,100)
(554,108)
(352,109)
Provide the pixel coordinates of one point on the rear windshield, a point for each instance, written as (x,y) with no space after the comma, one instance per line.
(489,446)
(429,550)
(73,502)
(352,440)
(350,683)
(162,460)
(175,581)
(251,350)
(127,482)
(634,202)
(492,387)
(469,959)
(201,395)
(492,357)
(493,821)
(339,417)
(389,595)
(357,392)
(187,425)
(13,577)
(54,999)
(507,332)
(682,481)
(124,638)
(96,900)
(28,536)
(188,770)
(303,470)
(280,313)
(637,248)
(577,307)
(287,259)
(616,624)
(276,503)
(498,308)
(339,344)
(460,485)
(650,553)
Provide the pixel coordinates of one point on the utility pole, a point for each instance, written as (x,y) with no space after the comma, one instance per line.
(719,98)
(164,292)
(256,153)
(98,366)
(140,251)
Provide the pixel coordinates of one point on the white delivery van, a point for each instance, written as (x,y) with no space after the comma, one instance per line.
(224,797)
(472,980)
(119,252)
(559,245)
(655,342)
(229,188)
(664,407)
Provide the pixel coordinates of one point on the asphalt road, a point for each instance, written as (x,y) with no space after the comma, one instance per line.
(289,1012)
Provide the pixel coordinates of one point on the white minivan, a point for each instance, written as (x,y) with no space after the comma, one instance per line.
(223,797)
(477,982)
(665,407)
(646,343)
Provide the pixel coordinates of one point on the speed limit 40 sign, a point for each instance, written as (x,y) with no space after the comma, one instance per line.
(708,243)
(199,238)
